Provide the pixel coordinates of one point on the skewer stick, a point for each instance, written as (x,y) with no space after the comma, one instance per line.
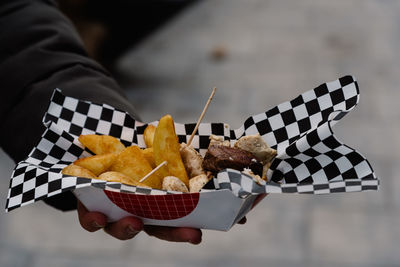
(153,171)
(201,116)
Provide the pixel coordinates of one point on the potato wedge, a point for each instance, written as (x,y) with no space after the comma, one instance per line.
(148,153)
(120,178)
(101,144)
(98,163)
(166,148)
(133,163)
(78,171)
(148,135)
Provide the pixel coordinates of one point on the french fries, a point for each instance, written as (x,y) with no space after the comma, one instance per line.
(166,148)
(120,178)
(101,144)
(148,135)
(116,163)
(132,163)
(97,164)
(75,170)
(148,153)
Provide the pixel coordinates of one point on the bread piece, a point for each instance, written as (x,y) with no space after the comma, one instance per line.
(172,183)
(192,160)
(256,177)
(256,145)
(218,140)
(198,182)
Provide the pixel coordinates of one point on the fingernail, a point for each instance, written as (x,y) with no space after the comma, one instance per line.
(131,231)
(194,242)
(97,225)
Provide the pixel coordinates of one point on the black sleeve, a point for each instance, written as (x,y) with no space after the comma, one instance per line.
(39,51)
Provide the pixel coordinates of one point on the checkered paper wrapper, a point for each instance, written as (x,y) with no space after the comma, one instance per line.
(309,157)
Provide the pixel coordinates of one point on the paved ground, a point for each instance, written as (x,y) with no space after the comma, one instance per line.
(274,51)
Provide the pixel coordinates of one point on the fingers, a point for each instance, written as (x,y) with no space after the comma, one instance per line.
(125,228)
(129,227)
(90,221)
(173,234)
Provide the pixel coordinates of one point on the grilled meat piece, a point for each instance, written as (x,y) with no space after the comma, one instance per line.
(219,157)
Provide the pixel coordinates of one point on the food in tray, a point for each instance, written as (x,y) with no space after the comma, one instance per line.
(97,164)
(218,140)
(165,164)
(101,144)
(148,135)
(256,145)
(198,182)
(134,164)
(192,160)
(78,171)
(219,157)
(112,176)
(173,183)
(166,148)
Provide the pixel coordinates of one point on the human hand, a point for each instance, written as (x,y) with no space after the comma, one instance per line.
(129,227)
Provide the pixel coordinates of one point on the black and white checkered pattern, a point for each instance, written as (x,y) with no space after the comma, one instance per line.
(242,185)
(310,159)
(78,117)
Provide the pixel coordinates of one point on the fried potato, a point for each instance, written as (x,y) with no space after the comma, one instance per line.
(148,153)
(166,148)
(120,178)
(148,135)
(133,163)
(173,183)
(101,144)
(98,163)
(75,170)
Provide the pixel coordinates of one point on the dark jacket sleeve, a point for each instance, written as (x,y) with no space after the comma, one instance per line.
(39,51)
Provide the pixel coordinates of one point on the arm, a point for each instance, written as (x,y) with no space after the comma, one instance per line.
(39,51)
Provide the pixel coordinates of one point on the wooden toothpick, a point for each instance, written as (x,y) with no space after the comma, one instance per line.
(201,116)
(153,171)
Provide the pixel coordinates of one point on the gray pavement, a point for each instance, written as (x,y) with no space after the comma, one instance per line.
(275,50)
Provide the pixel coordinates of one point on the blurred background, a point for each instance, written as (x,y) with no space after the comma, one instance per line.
(258,53)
